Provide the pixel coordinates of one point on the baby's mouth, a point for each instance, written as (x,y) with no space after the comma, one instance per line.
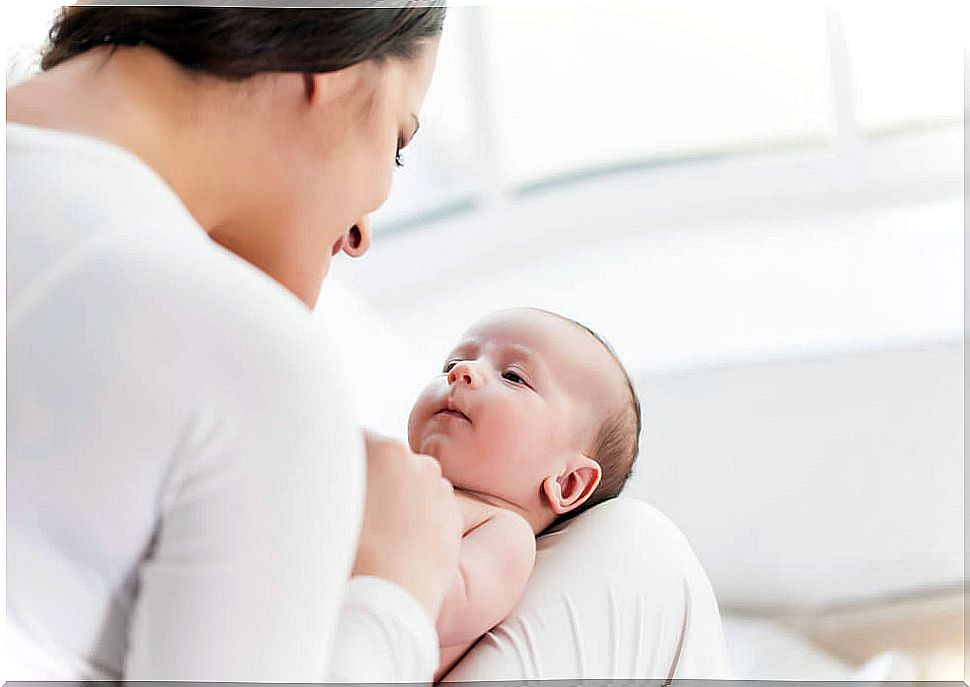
(453,413)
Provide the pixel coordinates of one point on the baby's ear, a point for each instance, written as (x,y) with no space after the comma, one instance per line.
(573,486)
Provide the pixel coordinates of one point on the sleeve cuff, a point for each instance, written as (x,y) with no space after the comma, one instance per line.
(409,629)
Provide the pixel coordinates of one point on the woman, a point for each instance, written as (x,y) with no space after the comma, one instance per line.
(185,483)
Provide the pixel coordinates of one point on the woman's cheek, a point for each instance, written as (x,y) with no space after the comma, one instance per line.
(322,211)
(365,191)
(383,188)
(382,170)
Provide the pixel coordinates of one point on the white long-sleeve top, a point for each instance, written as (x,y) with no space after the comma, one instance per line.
(184,476)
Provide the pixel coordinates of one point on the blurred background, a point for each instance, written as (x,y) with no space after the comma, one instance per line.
(760,205)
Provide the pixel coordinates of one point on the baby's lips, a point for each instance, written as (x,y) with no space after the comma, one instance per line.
(452,409)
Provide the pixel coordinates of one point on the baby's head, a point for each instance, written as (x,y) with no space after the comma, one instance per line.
(533,411)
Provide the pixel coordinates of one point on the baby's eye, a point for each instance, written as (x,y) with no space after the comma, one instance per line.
(513,377)
(449,365)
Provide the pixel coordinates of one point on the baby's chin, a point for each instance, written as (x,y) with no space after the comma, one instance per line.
(453,460)
(428,444)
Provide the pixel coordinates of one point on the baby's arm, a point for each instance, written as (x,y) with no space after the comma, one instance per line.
(495,563)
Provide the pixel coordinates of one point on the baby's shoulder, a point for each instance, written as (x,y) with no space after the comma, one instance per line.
(510,536)
(512,523)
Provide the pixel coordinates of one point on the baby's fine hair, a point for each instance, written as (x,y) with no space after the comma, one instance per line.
(617,441)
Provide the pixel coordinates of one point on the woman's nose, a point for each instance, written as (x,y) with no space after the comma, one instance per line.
(358,239)
(465,373)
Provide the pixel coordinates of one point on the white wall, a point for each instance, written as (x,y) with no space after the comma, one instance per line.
(813,481)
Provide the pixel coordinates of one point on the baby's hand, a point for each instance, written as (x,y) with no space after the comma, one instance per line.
(412,526)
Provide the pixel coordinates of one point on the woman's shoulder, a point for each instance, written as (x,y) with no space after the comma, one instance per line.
(99,242)
(84,211)
(216,314)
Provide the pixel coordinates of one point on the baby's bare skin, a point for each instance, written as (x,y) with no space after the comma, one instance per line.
(484,594)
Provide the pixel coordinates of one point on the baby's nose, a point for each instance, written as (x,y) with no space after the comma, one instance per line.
(464,373)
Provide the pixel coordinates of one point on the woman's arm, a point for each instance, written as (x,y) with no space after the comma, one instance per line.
(261,508)
(616,593)
(275,539)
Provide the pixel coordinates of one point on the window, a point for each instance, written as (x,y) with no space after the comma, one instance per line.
(529,96)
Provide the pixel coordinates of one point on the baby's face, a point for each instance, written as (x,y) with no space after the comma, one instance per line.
(519,392)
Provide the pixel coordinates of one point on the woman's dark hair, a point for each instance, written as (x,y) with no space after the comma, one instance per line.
(236,43)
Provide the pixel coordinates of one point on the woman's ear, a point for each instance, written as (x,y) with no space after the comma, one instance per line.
(309,85)
(327,87)
(573,486)
(349,84)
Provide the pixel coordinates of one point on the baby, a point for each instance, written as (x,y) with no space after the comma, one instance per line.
(532,418)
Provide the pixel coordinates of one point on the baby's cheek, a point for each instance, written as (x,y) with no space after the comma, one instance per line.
(512,441)
(544,440)
(412,428)
(418,418)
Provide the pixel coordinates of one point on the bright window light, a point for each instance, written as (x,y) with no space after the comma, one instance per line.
(906,60)
(442,161)
(25,28)
(611,82)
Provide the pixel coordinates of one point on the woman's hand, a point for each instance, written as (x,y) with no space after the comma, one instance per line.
(412,527)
